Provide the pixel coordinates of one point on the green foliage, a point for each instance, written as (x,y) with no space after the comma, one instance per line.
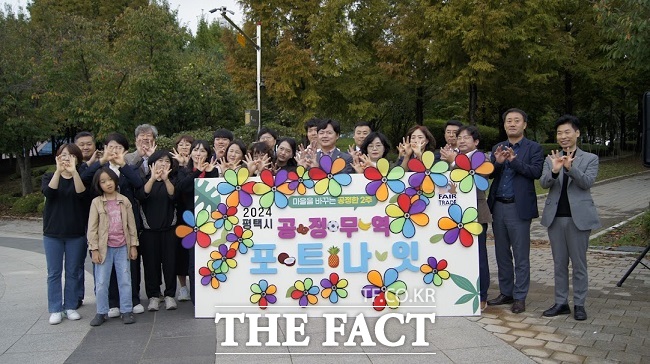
(28,203)
(7,200)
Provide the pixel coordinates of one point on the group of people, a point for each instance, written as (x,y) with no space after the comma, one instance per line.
(123,207)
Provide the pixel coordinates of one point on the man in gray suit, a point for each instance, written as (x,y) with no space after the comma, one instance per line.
(145,144)
(570,215)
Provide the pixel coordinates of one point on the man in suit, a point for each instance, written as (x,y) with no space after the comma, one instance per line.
(145,144)
(517,164)
(569,215)
(328,133)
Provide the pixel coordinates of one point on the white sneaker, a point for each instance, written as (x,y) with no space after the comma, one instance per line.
(113,312)
(154,302)
(170,303)
(56,318)
(72,315)
(184,294)
(138,308)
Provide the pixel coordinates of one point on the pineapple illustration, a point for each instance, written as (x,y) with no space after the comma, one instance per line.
(333,260)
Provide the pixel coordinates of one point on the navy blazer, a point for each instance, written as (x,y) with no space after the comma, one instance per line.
(528,167)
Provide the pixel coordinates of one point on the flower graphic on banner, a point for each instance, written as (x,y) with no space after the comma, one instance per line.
(329,177)
(263,293)
(222,259)
(434,271)
(211,276)
(469,172)
(300,181)
(408,212)
(460,224)
(305,292)
(412,191)
(198,231)
(240,239)
(273,189)
(386,291)
(334,288)
(428,174)
(238,190)
(383,178)
(225,216)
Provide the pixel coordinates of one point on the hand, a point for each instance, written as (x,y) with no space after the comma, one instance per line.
(210,166)
(201,164)
(568,159)
(182,159)
(557,160)
(164,172)
(352,150)
(149,151)
(93,158)
(500,155)
(418,149)
(71,164)
(118,158)
(448,154)
(404,147)
(95,257)
(105,157)
(133,254)
(511,154)
(156,171)
(60,164)
(250,164)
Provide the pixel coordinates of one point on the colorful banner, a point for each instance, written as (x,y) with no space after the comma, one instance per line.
(320,241)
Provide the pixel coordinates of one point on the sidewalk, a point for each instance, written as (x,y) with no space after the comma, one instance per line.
(618,328)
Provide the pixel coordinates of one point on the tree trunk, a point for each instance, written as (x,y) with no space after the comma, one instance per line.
(473,102)
(568,92)
(419,105)
(622,120)
(25,166)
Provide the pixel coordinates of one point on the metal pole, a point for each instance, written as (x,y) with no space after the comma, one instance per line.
(259,74)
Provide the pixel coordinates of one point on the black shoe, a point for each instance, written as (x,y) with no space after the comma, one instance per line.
(519,306)
(557,309)
(98,320)
(128,318)
(579,313)
(501,300)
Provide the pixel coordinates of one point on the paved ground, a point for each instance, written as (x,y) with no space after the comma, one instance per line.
(618,328)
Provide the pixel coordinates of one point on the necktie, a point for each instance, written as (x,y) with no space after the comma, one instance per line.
(145,165)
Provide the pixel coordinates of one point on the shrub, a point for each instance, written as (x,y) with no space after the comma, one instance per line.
(40,207)
(7,200)
(27,204)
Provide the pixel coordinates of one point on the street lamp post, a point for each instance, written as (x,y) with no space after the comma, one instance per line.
(258,48)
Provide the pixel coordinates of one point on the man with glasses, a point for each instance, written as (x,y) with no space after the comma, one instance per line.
(145,144)
(328,133)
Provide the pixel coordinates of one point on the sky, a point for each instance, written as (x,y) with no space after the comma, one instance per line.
(189,11)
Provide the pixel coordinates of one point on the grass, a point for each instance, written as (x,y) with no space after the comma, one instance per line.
(611,168)
(634,233)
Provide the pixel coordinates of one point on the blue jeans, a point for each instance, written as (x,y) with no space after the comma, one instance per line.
(120,258)
(60,252)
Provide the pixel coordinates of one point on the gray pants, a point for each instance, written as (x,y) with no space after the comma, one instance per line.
(511,239)
(567,242)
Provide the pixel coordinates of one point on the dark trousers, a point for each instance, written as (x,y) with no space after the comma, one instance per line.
(483,265)
(136,278)
(511,240)
(159,249)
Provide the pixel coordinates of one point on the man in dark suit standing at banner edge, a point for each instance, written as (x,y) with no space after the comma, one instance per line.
(570,215)
(513,202)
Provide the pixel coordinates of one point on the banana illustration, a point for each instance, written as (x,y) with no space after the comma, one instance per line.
(363,225)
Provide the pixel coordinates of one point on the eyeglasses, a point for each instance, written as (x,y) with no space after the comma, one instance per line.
(375,146)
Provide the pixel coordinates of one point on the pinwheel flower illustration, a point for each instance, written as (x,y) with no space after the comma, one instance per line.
(198,231)
(225,216)
(334,288)
(408,212)
(273,189)
(434,271)
(470,171)
(412,191)
(428,174)
(240,239)
(329,176)
(386,291)
(300,181)
(384,178)
(460,224)
(211,276)
(222,259)
(238,190)
(305,292)
(263,293)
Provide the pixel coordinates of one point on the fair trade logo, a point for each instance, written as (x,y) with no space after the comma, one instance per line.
(335,328)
